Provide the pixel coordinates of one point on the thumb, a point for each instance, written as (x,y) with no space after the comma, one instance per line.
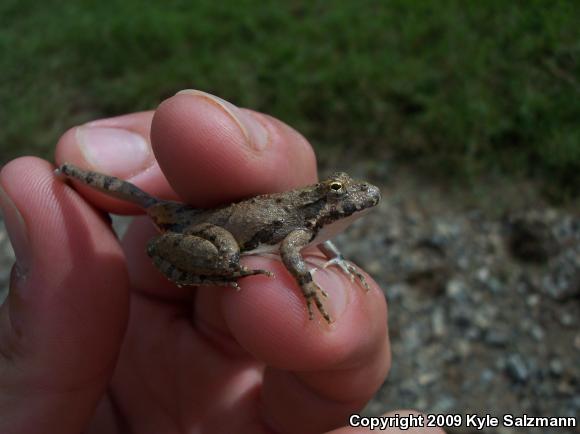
(63,321)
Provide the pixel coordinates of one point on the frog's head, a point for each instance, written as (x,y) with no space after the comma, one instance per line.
(345,200)
(348,196)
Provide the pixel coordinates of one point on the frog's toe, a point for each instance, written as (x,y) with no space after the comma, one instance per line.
(310,310)
(322,309)
(313,294)
(316,300)
(244,271)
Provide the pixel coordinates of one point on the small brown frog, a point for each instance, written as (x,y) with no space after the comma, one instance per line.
(203,246)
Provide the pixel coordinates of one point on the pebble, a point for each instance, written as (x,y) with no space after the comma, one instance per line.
(438,322)
(495,285)
(486,376)
(483,274)
(482,319)
(566,319)
(517,368)
(497,337)
(445,404)
(533,300)
(473,333)
(556,367)
(454,288)
(461,315)
(426,378)
(463,348)
(537,332)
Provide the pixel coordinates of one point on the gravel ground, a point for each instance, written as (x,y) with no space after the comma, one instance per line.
(484,309)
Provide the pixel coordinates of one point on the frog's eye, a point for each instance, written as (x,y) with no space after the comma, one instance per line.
(336,187)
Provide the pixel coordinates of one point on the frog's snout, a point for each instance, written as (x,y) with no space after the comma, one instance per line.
(374,195)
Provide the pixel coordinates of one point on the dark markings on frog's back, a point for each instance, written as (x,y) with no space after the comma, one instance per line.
(335,214)
(107,183)
(313,210)
(263,236)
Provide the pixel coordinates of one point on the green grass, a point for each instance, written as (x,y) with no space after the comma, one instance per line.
(464,88)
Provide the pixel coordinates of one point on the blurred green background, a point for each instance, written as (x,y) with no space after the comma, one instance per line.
(463,89)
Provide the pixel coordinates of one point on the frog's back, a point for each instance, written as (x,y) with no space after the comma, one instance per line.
(260,221)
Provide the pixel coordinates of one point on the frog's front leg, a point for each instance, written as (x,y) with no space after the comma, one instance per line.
(202,255)
(335,258)
(290,249)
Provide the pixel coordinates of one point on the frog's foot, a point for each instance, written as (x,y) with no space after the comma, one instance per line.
(348,268)
(322,291)
(245,271)
(314,294)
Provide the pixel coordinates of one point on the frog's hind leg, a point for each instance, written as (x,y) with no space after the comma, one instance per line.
(205,254)
(110,185)
(184,278)
(227,248)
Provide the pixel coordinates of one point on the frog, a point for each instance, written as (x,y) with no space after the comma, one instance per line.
(199,246)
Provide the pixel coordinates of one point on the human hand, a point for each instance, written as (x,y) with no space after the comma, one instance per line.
(94,339)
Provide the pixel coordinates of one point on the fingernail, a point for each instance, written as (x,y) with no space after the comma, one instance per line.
(114,151)
(255,133)
(17,233)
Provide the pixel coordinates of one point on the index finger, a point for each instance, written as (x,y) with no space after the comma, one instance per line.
(214,152)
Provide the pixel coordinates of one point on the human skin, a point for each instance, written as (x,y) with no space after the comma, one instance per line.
(94,339)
